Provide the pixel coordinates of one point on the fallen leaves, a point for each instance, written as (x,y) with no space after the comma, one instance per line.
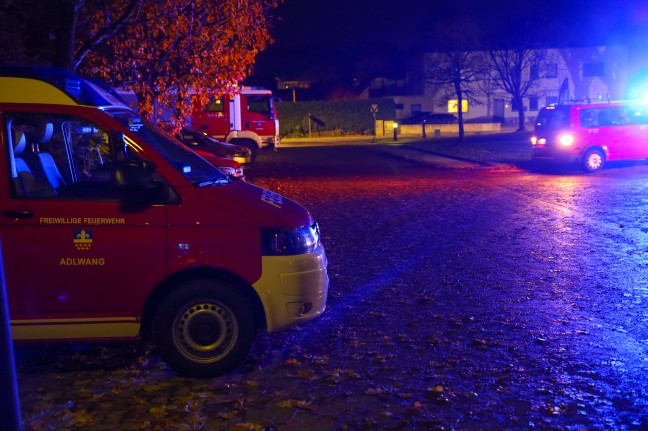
(301,404)
(339,375)
(81,418)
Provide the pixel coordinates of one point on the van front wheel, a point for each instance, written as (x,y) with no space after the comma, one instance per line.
(204,328)
(593,160)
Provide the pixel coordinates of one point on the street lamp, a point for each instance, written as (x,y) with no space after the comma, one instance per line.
(395,126)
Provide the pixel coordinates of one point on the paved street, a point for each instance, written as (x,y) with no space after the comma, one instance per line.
(480,295)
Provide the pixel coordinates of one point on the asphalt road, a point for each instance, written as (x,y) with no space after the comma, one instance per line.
(476,296)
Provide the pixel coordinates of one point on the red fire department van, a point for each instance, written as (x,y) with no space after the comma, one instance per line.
(249,118)
(112,229)
(591,134)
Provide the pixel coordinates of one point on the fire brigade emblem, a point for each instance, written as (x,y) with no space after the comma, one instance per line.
(82,239)
(272,198)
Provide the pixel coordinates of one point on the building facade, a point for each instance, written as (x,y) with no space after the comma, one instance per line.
(590,72)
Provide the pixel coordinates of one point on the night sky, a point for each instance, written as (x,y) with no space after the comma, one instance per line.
(315,38)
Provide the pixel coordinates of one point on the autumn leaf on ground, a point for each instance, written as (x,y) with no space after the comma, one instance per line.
(292,362)
(418,406)
(339,375)
(376,391)
(229,414)
(305,374)
(295,403)
(152,388)
(79,419)
(159,411)
(247,426)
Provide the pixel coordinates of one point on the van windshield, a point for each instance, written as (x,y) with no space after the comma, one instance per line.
(184,160)
(552,118)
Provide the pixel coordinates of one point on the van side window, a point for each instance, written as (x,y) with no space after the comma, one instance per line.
(589,117)
(638,114)
(58,157)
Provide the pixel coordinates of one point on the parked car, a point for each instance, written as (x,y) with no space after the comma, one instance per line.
(199,141)
(224,166)
(430,118)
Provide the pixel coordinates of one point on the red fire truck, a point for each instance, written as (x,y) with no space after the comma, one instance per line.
(248,118)
(112,229)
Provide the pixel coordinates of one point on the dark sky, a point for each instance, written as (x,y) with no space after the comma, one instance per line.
(333,36)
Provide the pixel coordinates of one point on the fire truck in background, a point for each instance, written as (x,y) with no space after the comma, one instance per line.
(248,118)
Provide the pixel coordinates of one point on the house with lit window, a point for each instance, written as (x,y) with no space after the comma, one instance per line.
(590,73)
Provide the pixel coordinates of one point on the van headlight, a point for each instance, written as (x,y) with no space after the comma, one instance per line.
(566,139)
(285,242)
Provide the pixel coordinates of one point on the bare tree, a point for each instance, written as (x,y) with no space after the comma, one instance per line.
(516,71)
(454,73)
(488,89)
(457,66)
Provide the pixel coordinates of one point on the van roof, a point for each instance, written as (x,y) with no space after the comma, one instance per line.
(51,85)
(594,102)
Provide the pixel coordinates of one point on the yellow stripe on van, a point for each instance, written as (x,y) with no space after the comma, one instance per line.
(59,329)
(25,90)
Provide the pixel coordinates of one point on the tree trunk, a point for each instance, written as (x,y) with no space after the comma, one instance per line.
(459,110)
(68,13)
(520,104)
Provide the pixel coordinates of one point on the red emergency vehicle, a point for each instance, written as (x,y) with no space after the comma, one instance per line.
(248,118)
(225,166)
(591,133)
(112,229)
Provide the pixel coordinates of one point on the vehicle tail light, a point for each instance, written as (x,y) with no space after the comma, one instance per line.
(539,142)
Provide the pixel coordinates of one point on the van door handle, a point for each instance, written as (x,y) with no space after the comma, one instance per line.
(18,214)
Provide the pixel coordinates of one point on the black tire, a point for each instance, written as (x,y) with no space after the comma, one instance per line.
(249,144)
(204,328)
(593,160)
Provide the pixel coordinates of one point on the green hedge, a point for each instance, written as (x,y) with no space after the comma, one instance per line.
(343,117)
